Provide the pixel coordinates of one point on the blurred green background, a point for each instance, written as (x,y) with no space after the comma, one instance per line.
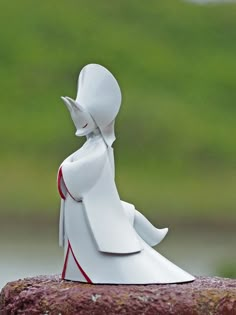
(176,65)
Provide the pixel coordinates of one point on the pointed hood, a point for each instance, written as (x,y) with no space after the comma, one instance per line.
(99,94)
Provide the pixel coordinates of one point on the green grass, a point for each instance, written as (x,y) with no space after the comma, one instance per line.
(176,64)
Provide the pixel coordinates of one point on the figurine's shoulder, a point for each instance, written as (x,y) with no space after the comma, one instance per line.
(89,147)
(89,152)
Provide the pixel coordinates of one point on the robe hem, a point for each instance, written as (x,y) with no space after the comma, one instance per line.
(69,249)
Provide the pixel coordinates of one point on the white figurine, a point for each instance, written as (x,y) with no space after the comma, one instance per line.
(106,240)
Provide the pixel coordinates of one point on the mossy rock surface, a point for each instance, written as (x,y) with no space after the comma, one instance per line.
(51,295)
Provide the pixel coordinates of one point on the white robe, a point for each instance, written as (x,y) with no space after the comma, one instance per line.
(96,228)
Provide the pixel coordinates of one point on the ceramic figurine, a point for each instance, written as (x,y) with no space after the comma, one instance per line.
(105,240)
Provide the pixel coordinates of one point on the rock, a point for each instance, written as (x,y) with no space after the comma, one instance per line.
(51,295)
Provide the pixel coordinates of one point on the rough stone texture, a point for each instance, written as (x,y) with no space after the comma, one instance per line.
(51,295)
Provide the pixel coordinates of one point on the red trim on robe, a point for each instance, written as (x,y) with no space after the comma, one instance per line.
(65,263)
(78,265)
(59,178)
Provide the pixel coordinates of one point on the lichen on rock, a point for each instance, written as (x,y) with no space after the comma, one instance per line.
(51,295)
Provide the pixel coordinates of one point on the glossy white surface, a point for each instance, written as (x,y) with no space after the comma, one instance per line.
(106,240)
(98,97)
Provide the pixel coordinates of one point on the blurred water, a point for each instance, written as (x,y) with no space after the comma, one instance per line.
(33,250)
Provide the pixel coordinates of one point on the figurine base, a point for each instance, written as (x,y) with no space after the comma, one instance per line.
(51,295)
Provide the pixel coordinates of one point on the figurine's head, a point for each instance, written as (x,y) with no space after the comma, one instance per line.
(97,102)
(83,121)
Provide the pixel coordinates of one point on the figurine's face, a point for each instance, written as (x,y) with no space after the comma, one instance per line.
(83,121)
